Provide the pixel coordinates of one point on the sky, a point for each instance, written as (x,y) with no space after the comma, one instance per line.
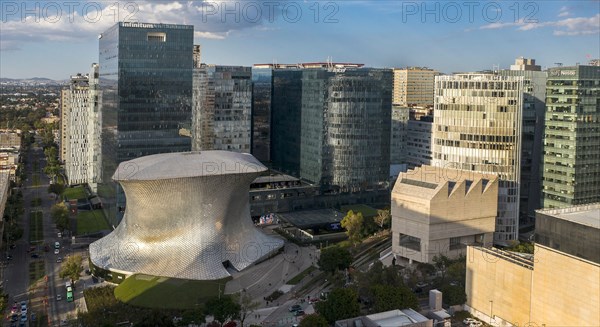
(56,39)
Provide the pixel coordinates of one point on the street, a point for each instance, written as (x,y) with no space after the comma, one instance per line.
(41,293)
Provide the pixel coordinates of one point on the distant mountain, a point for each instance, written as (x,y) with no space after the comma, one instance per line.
(33,80)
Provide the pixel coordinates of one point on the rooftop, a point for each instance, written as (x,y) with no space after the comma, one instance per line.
(187,164)
(309,218)
(587,214)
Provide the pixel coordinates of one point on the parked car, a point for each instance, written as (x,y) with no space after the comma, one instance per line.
(35,256)
(33,317)
(295,307)
(299,313)
(58,297)
(56,251)
(59,260)
(24,317)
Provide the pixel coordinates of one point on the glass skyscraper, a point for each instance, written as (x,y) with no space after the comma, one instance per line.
(331,126)
(571,158)
(146,77)
(221,119)
(261,111)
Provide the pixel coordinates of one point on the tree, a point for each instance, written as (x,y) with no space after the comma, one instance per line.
(71,268)
(458,269)
(454,294)
(441,263)
(353,223)
(387,298)
(314,320)
(247,305)
(56,188)
(524,247)
(60,215)
(383,218)
(333,258)
(222,309)
(156,318)
(191,317)
(341,303)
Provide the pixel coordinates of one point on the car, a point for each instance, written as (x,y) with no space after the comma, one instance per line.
(295,307)
(14,317)
(56,245)
(24,317)
(9,257)
(23,305)
(56,251)
(24,311)
(35,256)
(32,317)
(59,260)
(422,284)
(468,321)
(299,313)
(12,246)
(59,235)
(58,297)
(14,308)
(313,300)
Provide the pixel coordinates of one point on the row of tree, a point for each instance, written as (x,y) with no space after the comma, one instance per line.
(357,227)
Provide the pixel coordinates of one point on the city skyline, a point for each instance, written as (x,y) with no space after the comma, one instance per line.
(446,36)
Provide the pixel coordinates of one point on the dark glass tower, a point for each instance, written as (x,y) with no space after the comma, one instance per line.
(261,112)
(146,76)
(332,126)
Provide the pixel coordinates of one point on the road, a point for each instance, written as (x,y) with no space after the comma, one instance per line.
(16,274)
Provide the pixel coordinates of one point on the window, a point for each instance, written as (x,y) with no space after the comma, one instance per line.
(479,239)
(455,243)
(410,242)
(157,37)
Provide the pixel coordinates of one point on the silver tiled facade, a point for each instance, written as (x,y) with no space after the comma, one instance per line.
(187,216)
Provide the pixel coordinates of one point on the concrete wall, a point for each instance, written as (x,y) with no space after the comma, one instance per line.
(561,290)
(492,278)
(566,290)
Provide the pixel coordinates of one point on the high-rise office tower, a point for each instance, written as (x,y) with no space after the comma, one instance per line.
(413,86)
(418,141)
(146,79)
(261,111)
(221,118)
(477,126)
(80,129)
(534,98)
(571,155)
(331,125)
(398,134)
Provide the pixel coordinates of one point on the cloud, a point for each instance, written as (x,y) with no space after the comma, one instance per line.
(563,12)
(64,21)
(564,27)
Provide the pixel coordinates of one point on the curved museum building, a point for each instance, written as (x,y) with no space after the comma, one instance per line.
(187,216)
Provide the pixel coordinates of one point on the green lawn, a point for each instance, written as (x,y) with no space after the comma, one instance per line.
(167,293)
(91,222)
(36,230)
(366,211)
(72,193)
(37,269)
(301,275)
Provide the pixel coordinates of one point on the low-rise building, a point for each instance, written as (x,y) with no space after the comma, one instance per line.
(439,210)
(392,318)
(559,285)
